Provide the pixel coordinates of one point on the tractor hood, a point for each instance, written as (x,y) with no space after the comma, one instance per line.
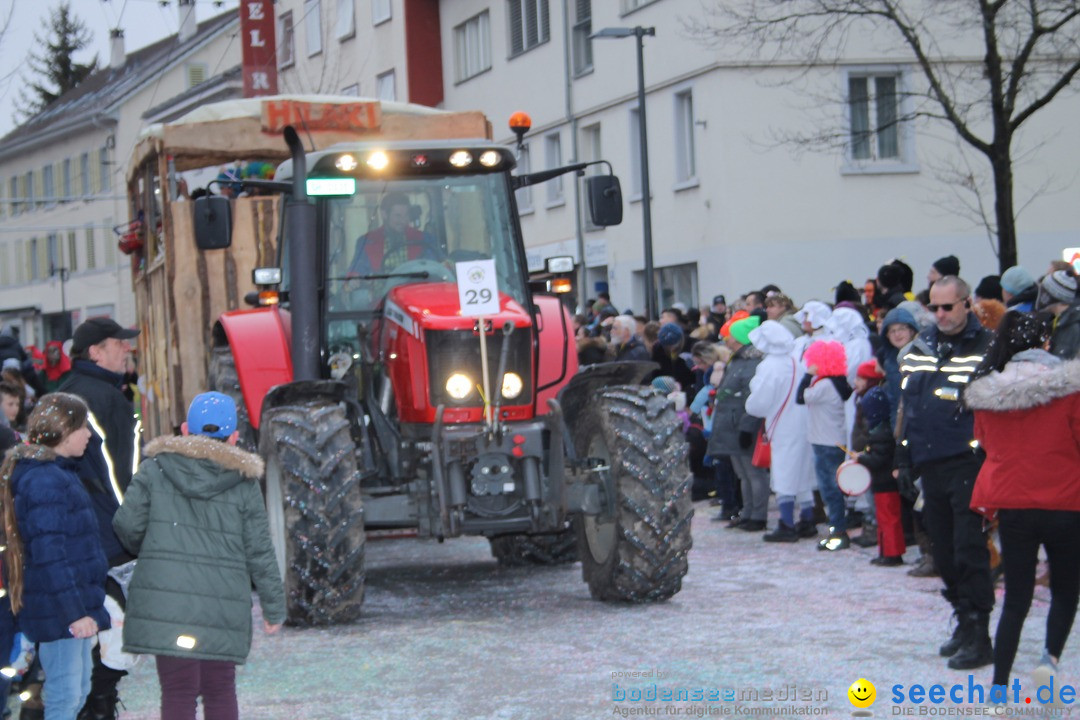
(436,306)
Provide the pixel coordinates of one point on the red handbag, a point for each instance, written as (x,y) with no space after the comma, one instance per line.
(762,456)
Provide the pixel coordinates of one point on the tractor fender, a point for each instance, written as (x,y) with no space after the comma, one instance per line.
(302,392)
(557,352)
(577,394)
(259,341)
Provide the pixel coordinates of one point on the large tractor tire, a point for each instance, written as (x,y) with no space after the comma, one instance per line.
(222,377)
(315,510)
(639,554)
(558,548)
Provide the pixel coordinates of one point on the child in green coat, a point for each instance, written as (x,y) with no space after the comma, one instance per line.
(194,516)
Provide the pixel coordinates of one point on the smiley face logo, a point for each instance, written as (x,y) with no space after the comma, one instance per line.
(862,693)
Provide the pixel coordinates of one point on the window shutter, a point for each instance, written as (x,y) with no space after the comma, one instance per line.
(72,252)
(43,258)
(517,37)
(20,261)
(110,247)
(584,10)
(39,187)
(196,73)
(91,258)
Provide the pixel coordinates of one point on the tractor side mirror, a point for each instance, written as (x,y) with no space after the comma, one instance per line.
(213,222)
(605,200)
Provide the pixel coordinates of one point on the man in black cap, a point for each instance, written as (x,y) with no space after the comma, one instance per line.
(948,265)
(99,352)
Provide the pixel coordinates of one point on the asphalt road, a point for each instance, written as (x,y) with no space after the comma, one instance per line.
(448,634)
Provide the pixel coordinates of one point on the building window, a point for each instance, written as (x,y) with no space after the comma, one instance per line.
(286,40)
(84,174)
(34,260)
(29,194)
(67,179)
(52,254)
(13,186)
(313,26)
(582,43)
(346,19)
(685,164)
(635,154)
(528,24)
(553,159)
(105,184)
(5,274)
(352,90)
(590,151)
(524,195)
(72,252)
(472,43)
(91,255)
(874,111)
(631,5)
(380,11)
(384,86)
(48,185)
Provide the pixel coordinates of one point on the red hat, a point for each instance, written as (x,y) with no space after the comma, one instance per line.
(725,331)
(869,370)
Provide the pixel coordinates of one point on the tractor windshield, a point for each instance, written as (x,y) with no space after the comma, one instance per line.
(414,231)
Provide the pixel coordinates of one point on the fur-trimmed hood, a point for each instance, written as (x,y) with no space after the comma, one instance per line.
(201,466)
(1030,379)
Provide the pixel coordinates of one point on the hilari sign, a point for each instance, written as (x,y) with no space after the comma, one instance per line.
(258,49)
(364,115)
(478,288)
(1072,256)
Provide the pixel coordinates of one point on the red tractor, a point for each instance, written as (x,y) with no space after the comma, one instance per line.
(380,402)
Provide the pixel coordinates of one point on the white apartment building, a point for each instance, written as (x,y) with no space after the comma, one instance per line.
(63,177)
(733,209)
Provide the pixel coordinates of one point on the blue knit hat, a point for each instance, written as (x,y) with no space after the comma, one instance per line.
(665,384)
(670,335)
(875,407)
(213,414)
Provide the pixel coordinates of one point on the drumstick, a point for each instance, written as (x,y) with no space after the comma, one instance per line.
(852,455)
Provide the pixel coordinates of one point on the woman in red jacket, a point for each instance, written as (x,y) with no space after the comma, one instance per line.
(1027,419)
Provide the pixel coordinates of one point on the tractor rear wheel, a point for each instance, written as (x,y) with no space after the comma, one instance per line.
(558,548)
(638,554)
(315,510)
(223,377)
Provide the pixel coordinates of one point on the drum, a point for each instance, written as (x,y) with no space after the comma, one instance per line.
(852,478)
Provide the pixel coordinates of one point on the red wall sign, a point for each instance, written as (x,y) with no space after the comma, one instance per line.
(259,58)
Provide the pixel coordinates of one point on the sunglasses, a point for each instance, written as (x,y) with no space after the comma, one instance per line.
(947,307)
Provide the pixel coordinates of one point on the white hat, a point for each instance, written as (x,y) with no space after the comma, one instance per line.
(772,338)
(815,311)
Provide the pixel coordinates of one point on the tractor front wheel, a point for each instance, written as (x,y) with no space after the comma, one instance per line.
(638,552)
(315,510)
(223,378)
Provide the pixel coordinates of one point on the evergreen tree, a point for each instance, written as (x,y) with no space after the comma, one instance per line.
(53,67)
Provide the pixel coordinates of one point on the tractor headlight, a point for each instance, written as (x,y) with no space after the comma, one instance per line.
(459,386)
(512,385)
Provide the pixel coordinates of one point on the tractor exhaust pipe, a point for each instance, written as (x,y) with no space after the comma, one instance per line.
(303,268)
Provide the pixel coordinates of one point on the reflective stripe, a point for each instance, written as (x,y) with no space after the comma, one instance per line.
(108,458)
(136,451)
(920,358)
(970,358)
(903,383)
(957,368)
(958,378)
(918,368)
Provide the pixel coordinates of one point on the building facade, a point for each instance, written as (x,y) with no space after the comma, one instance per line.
(63,204)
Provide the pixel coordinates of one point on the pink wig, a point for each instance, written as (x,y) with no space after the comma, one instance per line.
(829,357)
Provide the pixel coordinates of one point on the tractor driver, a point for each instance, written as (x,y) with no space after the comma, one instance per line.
(394,243)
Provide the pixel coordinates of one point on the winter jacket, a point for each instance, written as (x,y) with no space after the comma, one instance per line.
(1065,342)
(877,455)
(53,376)
(889,356)
(675,366)
(63,562)
(936,368)
(773,382)
(1027,419)
(792,325)
(113,453)
(1024,301)
(632,349)
(194,515)
(824,398)
(729,407)
(592,350)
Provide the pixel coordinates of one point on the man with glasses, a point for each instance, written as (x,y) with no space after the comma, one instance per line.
(937,444)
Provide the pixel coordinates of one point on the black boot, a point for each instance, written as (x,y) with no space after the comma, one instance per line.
(782,534)
(100,707)
(976,650)
(950,646)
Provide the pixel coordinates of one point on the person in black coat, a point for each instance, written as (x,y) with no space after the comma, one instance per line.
(877,456)
(99,353)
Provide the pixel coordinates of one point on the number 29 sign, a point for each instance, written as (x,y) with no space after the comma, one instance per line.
(478,288)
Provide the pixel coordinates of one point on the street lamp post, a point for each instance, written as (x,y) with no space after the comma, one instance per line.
(63,273)
(646,200)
